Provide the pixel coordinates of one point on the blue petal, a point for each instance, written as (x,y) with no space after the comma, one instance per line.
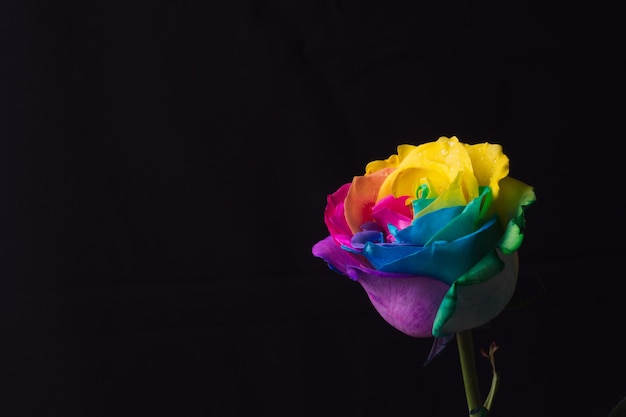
(367,236)
(442,260)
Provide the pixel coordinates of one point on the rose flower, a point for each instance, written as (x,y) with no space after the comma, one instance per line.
(431,234)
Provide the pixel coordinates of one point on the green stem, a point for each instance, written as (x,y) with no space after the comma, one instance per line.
(465,343)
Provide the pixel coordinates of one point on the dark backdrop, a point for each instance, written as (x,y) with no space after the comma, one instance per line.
(163,172)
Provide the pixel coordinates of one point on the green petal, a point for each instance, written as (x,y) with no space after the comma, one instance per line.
(513,237)
(478,296)
(515,197)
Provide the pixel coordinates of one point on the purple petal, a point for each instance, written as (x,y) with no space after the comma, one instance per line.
(408,303)
(340,260)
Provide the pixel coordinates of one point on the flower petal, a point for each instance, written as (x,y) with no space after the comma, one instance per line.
(407,303)
(392,212)
(454,195)
(425,227)
(339,259)
(361,198)
(334,217)
(515,197)
(436,163)
(490,164)
(479,295)
(439,260)
(473,215)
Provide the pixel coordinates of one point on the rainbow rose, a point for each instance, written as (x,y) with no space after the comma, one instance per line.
(431,233)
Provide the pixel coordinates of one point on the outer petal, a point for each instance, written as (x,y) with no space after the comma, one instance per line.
(490,164)
(334,217)
(478,296)
(339,259)
(515,197)
(408,303)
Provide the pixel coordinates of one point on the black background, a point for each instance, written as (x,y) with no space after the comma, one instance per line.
(163,172)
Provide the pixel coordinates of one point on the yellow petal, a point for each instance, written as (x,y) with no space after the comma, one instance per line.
(391,162)
(436,163)
(453,196)
(489,164)
(513,196)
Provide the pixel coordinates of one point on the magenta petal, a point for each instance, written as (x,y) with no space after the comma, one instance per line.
(392,211)
(386,217)
(334,215)
(408,303)
(397,205)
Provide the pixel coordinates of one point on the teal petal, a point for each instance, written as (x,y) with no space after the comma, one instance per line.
(469,220)
(420,204)
(479,295)
(424,228)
